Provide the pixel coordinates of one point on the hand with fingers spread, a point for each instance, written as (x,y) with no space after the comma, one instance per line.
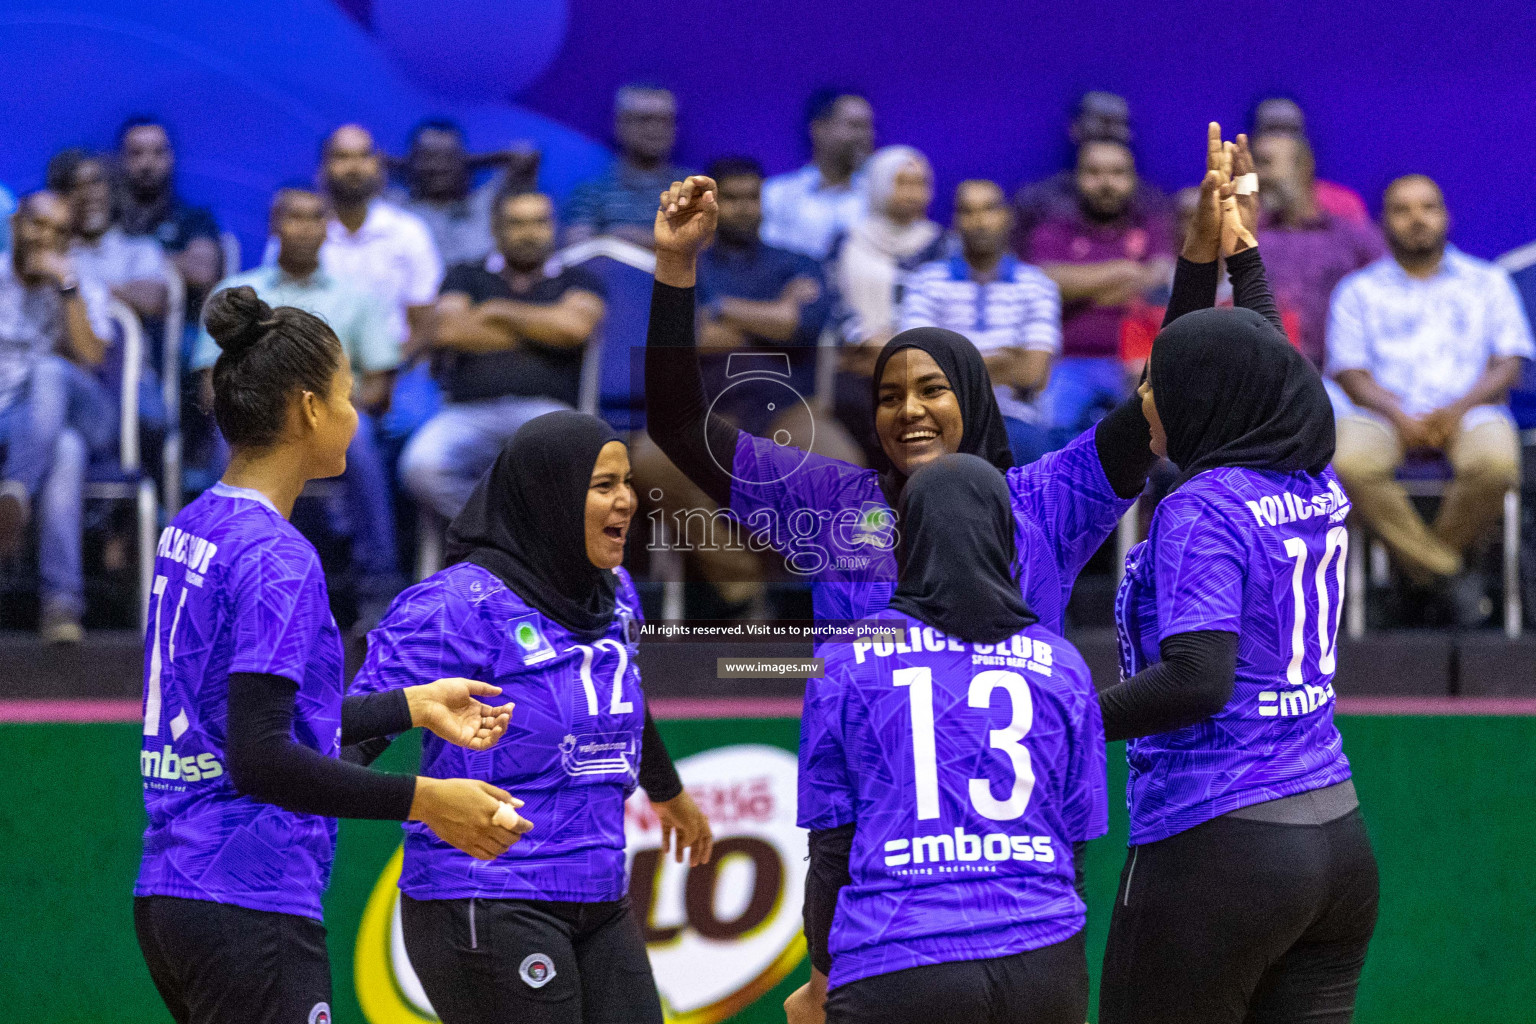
(1203,243)
(462,813)
(681,818)
(685,224)
(448,708)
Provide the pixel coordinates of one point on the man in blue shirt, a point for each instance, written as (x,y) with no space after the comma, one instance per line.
(622,202)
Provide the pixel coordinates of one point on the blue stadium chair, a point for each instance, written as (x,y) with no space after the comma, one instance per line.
(122,478)
(168,373)
(1428,477)
(610,386)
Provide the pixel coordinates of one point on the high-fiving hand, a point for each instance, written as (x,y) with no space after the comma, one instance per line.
(1224,221)
(449,709)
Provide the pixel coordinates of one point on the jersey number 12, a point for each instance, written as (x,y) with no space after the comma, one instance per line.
(1009,740)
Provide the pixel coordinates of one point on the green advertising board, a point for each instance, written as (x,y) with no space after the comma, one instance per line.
(1447,800)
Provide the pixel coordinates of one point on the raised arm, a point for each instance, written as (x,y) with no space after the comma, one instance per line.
(676,410)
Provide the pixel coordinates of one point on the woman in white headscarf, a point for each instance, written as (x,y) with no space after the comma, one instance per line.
(893,236)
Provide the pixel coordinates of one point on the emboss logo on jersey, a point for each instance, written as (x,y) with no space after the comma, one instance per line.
(1287,704)
(537,970)
(168,766)
(1285,507)
(968,848)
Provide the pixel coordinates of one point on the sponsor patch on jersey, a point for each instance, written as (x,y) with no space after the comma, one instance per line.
(537,970)
(320,1013)
(531,640)
(631,629)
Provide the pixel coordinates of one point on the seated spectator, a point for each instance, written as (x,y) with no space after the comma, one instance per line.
(133,269)
(806,211)
(297,279)
(623,201)
(507,348)
(1104,255)
(1098,116)
(892,238)
(1009,310)
(1281,116)
(54,412)
(149,206)
(1426,345)
(1307,251)
(439,177)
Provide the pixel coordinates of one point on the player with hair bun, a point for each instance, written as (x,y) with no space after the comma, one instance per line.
(247,736)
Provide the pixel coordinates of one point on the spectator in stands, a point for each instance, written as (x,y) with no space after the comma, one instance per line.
(1104,255)
(892,238)
(1280,116)
(297,279)
(133,269)
(805,211)
(148,205)
(1307,251)
(1426,345)
(623,201)
(374,245)
(54,412)
(1009,310)
(507,348)
(1098,116)
(439,178)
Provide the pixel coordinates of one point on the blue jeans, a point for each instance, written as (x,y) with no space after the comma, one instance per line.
(1081,390)
(446,458)
(62,418)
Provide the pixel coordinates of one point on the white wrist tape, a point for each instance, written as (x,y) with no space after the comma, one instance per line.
(1246,184)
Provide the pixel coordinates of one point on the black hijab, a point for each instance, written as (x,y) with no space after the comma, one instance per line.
(1231,391)
(957,553)
(984,433)
(526,521)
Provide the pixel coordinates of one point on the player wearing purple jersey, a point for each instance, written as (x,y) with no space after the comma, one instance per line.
(945,777)
(932,395)
(536,603)
(243,710)
(1249,892)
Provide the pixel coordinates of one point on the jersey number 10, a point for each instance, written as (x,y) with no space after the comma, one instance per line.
(1008,740)
(1337,547)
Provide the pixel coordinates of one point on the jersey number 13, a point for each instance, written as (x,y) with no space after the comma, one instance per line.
(1009,740)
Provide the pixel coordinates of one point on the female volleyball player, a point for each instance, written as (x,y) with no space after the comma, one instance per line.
(1250,889)
(945,777)
(537,603)
(243,707)
(932,395)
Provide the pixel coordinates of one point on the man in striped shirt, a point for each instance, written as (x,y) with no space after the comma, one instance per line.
(1008,309)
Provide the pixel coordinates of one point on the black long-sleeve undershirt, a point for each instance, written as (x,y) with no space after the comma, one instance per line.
(1193,681)
(267,764)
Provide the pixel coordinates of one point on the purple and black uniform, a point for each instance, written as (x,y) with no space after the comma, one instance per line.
(978,767)
(1259,554)
(237,589)
(571,751)
(833,524)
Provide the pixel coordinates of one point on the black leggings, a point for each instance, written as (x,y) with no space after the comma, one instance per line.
(1041,986)
(216,963)
(1242,922)
(530,961)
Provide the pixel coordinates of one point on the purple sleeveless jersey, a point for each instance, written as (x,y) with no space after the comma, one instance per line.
(236,589)
(969,770)
(1260,554)
(571,751)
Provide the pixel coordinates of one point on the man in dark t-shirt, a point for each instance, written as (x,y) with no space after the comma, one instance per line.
(507,347)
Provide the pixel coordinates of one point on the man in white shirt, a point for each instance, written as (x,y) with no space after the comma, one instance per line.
(134,269)
(806,211)
(1426,344)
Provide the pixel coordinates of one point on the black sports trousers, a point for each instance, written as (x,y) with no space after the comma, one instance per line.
(1041,986)
(216,963)
(531,961)
(1238,921)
